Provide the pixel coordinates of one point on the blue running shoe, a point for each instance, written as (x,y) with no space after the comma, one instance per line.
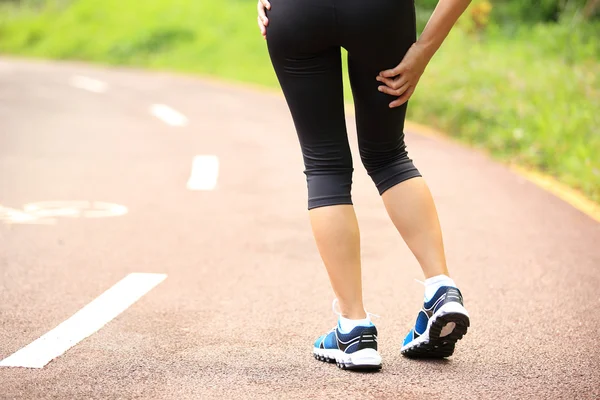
(440,324)
(356,350)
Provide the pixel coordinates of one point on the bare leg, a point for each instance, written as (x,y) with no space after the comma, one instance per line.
(412,210)
(336,232)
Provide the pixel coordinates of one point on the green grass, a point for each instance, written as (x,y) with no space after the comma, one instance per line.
(520,101)
(528,94)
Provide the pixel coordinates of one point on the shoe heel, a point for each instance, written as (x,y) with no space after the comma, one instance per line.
(450,323)
(365,359)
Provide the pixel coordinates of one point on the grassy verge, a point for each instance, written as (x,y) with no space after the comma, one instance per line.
(530,96)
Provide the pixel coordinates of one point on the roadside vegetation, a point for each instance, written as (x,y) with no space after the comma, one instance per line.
(519,79)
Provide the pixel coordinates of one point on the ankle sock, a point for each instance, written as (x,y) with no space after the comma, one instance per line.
(434,283)
(346,325)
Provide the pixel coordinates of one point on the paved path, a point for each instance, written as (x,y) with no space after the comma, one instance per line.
(245,294)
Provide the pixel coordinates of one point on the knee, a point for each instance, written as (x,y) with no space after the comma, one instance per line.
(388,165)
(382,156)
(329,187)
(328,170)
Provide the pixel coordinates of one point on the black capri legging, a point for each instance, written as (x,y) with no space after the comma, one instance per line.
(304,39)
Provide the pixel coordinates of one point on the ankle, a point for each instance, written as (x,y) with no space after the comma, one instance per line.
(346,325)
(435,271)
(354,314)
(351,315)
(352,310)
(433,283)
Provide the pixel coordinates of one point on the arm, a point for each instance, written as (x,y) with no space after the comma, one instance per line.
(402,80)
(440,23)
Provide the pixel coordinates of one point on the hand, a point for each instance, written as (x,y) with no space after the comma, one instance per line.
(263,21)
(402,80)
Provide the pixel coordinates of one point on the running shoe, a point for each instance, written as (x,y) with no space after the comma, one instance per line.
(440,324)
(355,350)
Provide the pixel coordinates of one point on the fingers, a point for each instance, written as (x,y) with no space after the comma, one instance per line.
(394,83)
(389,73)
(261,26)
(404,98)
(261,12)
(263,21)
(394,92)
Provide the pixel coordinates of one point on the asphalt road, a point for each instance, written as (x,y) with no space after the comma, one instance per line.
(245,294)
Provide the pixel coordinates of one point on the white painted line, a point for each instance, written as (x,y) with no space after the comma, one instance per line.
(168,115)
(87,209)
(45,212)
(85,322)
(89,84)
(14,216)
(205,171)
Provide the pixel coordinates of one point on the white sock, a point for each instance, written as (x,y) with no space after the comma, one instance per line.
(346,325)
(434,283)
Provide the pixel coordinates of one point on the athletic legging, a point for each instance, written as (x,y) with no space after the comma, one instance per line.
(304,39)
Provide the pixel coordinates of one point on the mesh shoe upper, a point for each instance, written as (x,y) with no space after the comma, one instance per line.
(360,337)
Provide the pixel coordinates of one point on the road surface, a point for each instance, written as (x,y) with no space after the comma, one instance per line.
(187,197)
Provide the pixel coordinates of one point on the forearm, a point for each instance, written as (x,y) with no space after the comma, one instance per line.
(440,23)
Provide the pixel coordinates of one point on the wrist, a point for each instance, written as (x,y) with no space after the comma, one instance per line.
(427,47)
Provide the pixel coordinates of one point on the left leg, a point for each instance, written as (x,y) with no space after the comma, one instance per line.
(372,47)
(409,203)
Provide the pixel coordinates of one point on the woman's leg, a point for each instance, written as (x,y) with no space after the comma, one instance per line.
(309,70)
(377,38)
(338,238)
(373,47)
(412,210)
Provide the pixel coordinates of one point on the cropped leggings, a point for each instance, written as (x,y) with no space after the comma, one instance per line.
(304,39)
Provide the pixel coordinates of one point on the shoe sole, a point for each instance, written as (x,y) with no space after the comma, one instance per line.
(361,360)
(436,342)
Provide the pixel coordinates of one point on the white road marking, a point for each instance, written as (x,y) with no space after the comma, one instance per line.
(168,115)
(86,209)
(89,84)
(205,171)
(85,322)
(45,212)
(14,216)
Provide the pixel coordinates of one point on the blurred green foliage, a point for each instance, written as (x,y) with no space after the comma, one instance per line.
(518,78)
(528,11)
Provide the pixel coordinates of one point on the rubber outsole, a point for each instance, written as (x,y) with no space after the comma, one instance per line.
(436,346)
(345,366)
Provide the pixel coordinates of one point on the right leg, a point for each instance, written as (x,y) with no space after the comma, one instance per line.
(308,65)
(307,61)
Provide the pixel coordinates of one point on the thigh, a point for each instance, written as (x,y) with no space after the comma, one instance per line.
(380,129)
(377,33)
(377,37)
(309,69)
